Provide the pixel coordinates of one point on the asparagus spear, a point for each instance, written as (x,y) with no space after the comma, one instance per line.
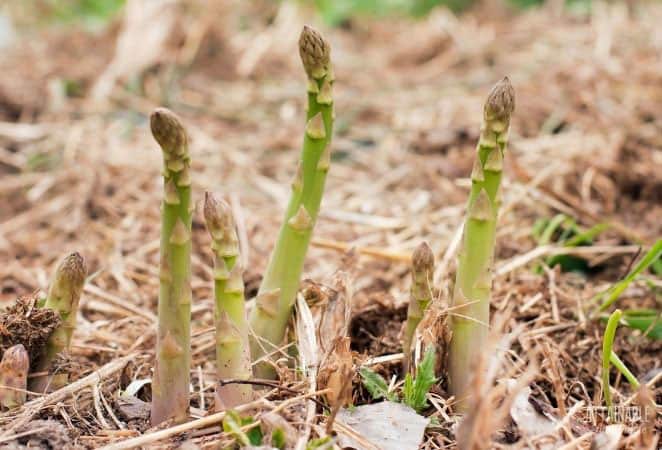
(14,376)
(421,295)
(276,295)
(63,297)
(170,386)
(232,354)
(471,295)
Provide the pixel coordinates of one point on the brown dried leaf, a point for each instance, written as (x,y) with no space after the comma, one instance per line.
(336,373)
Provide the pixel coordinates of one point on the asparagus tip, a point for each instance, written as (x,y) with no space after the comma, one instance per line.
(72,268)
(167,129)
(16,359)
(217,214)
(14,376)
(501,101)
(422,258)
(315,52)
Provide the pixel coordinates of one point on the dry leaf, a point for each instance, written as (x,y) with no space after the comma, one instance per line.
(386,425)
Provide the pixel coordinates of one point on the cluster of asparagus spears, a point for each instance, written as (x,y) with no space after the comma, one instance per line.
(237,350)
(63,297)
(470,305)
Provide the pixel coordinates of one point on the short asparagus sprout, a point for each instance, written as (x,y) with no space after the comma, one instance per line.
(277,293)
(14,377)
(471,295)
(63,297)
(232,352)
(170,386)
(422,270)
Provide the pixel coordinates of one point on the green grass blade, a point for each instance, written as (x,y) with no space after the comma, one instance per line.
(623,369)
(616,290)
(648,321)
(607,345)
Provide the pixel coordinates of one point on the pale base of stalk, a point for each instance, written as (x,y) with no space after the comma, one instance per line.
(468,335)
(232,354)
(170,384)
(408,340)
(273,308)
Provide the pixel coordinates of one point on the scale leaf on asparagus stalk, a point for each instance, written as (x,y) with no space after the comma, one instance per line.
(170,386)
(232,353)
(63,297)
(471,295)
(422,270)
(276,296)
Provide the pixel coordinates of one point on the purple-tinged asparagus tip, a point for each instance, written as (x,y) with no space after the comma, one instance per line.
(501,101)
(16,359)
(315,52)
(168,130)
(72,268)
(422,259)
(218,215)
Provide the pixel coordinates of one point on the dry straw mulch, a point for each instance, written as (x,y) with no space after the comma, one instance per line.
(83,175)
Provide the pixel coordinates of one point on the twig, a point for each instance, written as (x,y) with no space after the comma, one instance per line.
(366,251)
(266,383)
(177,429)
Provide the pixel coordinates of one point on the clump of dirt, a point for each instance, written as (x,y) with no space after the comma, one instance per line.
(636,173)
(46,434)
(376,331)
(26,323)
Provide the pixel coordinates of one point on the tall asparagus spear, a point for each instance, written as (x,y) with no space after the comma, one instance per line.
(473,283)
(14,376)
(170,386)
(277,292)
(422,270)
(63,297)
(232,353)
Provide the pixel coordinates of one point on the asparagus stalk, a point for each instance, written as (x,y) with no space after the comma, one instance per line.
(276,295)
(63,297)
(232,354)
(170,386)
(471,294)
(14,376)
(422,270)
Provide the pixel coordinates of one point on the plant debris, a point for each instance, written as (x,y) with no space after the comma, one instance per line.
(22,322)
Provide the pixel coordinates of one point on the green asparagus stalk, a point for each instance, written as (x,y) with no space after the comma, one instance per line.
(473,283)
(276,295)
(170,386)
(232,353)
(63,297)
(422,270)
(14,376)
